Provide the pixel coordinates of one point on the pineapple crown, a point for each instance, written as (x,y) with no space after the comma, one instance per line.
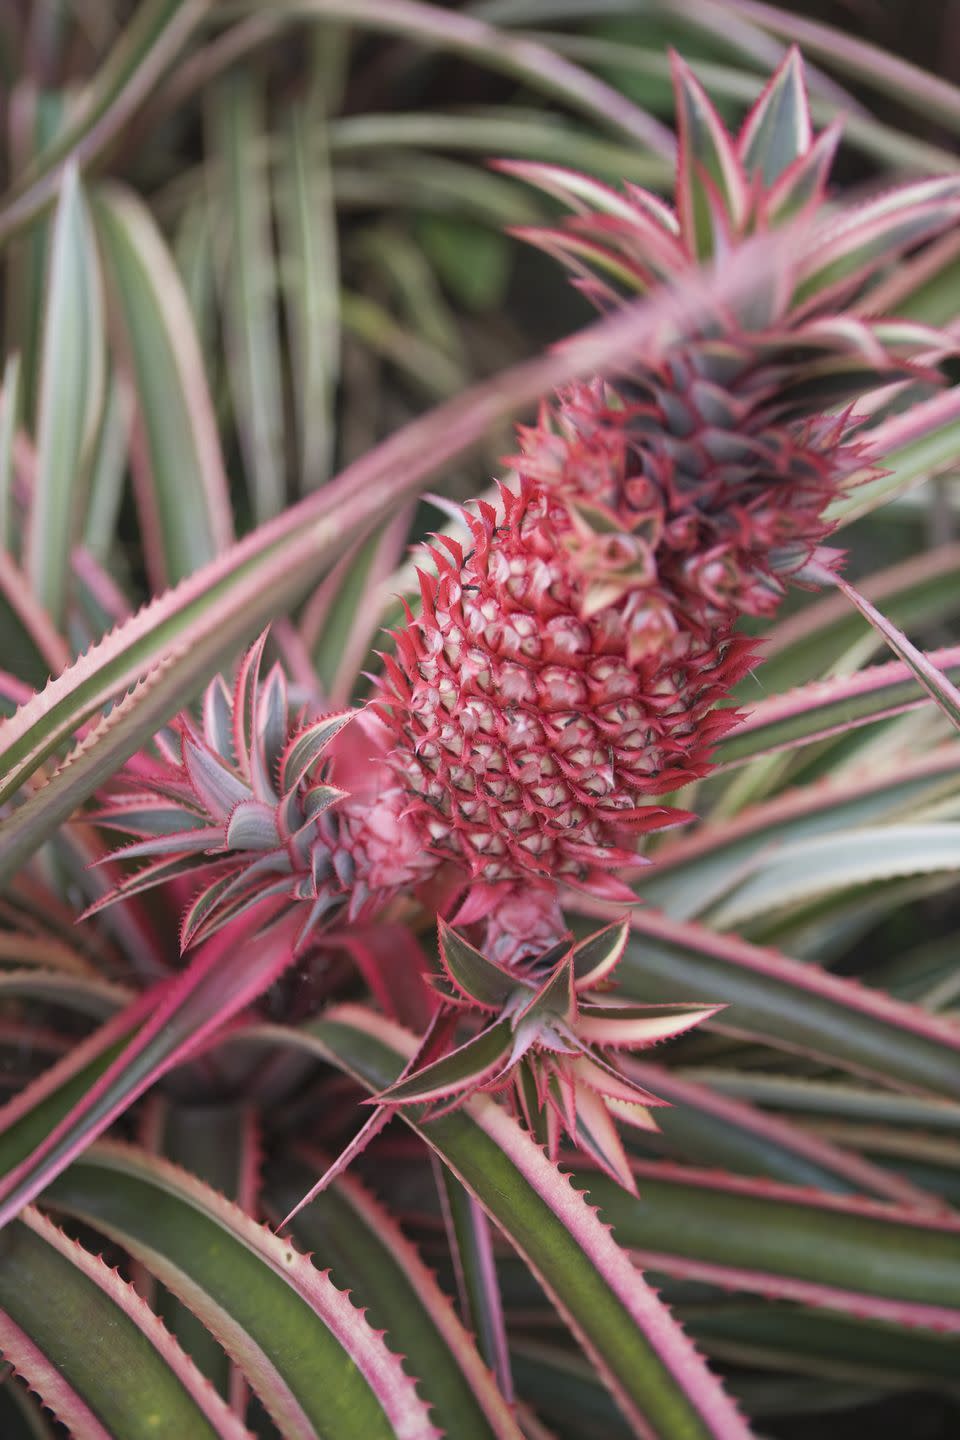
(701,480)
(774,172)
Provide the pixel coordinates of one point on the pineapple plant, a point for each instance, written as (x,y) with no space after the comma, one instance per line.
(420,939)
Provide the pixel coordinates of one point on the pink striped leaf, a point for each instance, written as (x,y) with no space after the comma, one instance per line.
(712,193)
(221,1145)
(383,1270)
(690,874)
(801,647)
(97,1327)
(470,1242)
(705,1127)
(928,94)
(937,685)
(794,1006)
(308,1352)
(876,1260)
(170,1023)
(777,129)
(831,707)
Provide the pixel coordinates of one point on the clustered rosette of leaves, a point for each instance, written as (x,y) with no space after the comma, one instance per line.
(246,804)
(263,944)
(579,659)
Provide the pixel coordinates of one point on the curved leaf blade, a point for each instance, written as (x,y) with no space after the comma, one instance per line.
(843,1252)
(182,485)
(155,35)
(784,1003)
(173,1020)
(370,1254)
(98,1327)
(310,1355)
(830,707)
(71,392)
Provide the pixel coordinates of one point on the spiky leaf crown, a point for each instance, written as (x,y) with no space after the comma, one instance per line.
(543,1042)
(243,803)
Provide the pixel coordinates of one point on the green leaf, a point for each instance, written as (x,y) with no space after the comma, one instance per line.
(879,231)
(834,1098)
(711,189)
(474,1063)
(368,1253)
(777,130)
(143,54)
(220,1144)
(472,972)
(309,269)
(185,509)
(473,262)
(918,89)
(596,957)
(643,1357)
(829,707)
(309,1354)
(33,128)
(827,635)
(842,1252)
(240,196)
(470,1241)
(806,870)
(438,28)
(910,447)
(940,689)
(81,1095)
(9,415)
(784,1003)
(345,615)
(697,871)
(706,1128)
(820,1342)
(71,393)
(68,1323)
(108,470)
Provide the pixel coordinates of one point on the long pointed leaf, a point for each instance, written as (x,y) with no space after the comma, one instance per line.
(143,53)
(67,1321)
(830,707)
(182,487)
(71,392)
(221,981)
(311,1356)
(940,689)
(781,1002)
(846,1253)
(368,1252)
(642,1354)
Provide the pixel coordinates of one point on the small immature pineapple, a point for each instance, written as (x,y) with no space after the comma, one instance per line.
(573,665)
